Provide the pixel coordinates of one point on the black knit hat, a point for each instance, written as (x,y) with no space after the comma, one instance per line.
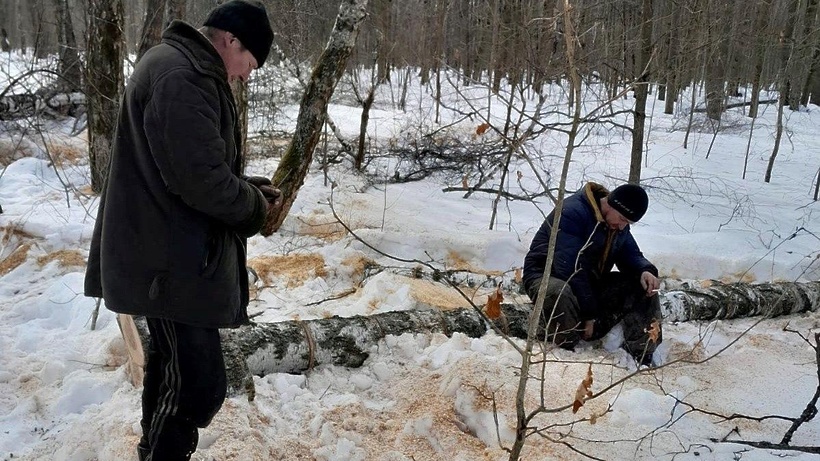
(630,200)
(248,21)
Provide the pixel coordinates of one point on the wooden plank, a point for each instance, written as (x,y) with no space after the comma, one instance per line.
(135,366)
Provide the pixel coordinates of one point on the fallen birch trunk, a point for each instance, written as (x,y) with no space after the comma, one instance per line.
(299,345)
(13,107)
(737,300)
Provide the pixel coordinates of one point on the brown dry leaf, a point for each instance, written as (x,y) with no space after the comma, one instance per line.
(464,182)
(493,307)
(519,275)
(481,129)
(583,392)
(654,331)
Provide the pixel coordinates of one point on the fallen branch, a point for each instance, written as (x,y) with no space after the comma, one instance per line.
(738,104)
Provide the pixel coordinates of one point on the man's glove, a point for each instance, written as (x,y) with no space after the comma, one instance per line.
(271,194)
(258,181)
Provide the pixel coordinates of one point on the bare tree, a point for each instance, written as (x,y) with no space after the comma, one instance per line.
(522,418)
(293,167)
(812,49)
(152,26)
(5,46)
(42,28)
(70,67)
(672,68)
(641,88)
(762,9)
(106,49)
(175,9)
(786,53)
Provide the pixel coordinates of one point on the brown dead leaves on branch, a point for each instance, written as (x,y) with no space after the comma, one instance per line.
(493,307)
(654,331)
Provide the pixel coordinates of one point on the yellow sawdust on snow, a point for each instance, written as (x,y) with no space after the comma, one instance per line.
(65,258)
(444,297)
(65,153)
(321,226)
(15,259)
(297,268)
(458,262)
(357,263)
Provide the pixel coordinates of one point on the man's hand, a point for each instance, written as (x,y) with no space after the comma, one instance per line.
(589,327)
(271,194)
(258,181)
(650,283)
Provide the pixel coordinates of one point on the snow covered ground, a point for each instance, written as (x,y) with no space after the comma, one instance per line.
(65,395)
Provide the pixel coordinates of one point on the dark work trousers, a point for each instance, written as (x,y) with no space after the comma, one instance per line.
(183,388)
(619,298)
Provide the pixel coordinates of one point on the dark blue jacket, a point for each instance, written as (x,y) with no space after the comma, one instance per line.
(583,224)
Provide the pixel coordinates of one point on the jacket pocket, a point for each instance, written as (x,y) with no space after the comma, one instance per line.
(157,287)
(214,251)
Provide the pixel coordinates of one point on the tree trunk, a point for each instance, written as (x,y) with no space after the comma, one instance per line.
(297,346)
(367,104)
(761,20)
(787,48)
(105,46)
(786,53)
(812,51)
(42,27)
(151,26)
(240,97)
(293,167)
(804,44)
(814,81)
(5,46)
(69,66)
(641,89)
(175,9)
(382,22)
(672,67)
(715,86)
(817,186)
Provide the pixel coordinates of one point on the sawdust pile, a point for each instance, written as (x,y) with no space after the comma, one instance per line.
(295,268)
(15,259)
(65,258)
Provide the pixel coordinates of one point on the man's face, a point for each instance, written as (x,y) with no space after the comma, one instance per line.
(614,219)
(239,62)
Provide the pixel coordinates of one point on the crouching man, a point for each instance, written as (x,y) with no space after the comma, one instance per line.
(584,297)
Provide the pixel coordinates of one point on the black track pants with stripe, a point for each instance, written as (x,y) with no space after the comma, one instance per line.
(183,388)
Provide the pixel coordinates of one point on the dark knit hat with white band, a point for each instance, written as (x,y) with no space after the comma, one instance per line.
(630,200)
(248,21)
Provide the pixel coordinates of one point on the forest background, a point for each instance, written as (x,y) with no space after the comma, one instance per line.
(496,88)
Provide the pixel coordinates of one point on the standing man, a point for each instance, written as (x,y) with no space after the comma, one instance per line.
(170,238)
(584,298)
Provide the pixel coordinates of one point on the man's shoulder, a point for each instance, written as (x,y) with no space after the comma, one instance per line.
(162,58)
(577,206)
(163,66)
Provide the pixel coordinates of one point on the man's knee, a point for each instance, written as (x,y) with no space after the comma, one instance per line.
(206,396)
